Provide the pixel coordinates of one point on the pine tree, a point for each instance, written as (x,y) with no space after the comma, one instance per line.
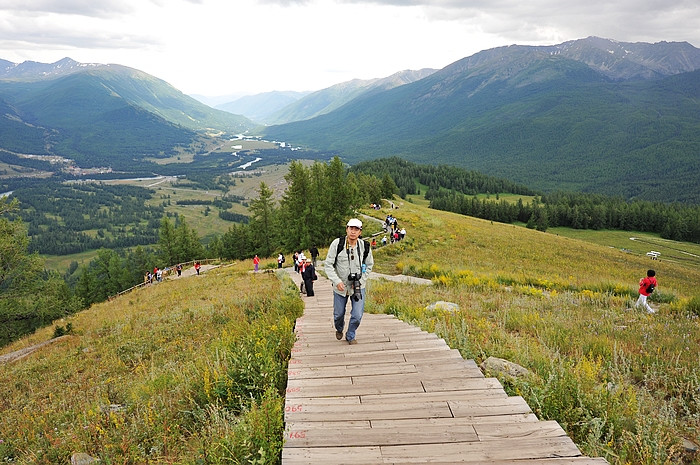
(262,224)
(167,243)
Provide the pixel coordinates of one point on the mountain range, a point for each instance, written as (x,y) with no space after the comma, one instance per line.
(259,107)
(100,115)
(591,115)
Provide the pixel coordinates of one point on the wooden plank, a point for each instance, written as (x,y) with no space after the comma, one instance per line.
(448,422)
(334,391)
(335,437)
(351,370)
(557,461)
(424,376)
(419,423)
(319,412)
(498,431)
(438,395)
(320,361)
(313,382)
(422,356)
(459,384)
(338,400)
(342,347)
(480,452)
(332,455)
(485,408)
(345,424)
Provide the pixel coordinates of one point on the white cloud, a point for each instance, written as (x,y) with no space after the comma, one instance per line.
(215,47)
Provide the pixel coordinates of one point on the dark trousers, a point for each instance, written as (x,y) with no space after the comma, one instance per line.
(309,286)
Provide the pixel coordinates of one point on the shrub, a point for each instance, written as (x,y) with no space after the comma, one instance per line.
(257,438)
(693,306)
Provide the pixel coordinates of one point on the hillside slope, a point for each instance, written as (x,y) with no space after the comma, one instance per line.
(159,374)
(538,116)
(260,106)
(326,100)
(102,115)
(141,379)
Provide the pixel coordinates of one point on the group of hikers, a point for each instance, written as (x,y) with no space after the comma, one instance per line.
(391,226)
(158,274)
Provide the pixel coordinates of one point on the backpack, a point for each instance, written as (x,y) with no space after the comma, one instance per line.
(650,288)
(282,261)
(341,246)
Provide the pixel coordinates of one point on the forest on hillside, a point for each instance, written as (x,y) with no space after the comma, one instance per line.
(454,189)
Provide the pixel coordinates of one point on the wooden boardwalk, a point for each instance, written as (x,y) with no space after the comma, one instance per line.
(402,396)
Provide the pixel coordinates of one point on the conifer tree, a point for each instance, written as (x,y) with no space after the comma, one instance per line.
(167,243)
(295,207)
(29,296)
(262,223)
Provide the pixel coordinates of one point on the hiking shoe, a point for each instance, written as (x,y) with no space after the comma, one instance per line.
(352,341)
(338,335)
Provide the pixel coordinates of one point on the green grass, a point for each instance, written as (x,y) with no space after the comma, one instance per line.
(639,243)
(510,198)
(61,263)
(187,371)
(622,383)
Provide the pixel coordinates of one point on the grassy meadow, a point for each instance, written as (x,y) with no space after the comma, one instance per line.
(189,371)
(624,384)
(193,371)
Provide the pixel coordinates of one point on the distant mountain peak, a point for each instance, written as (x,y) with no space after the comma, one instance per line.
(631,60)
(34,70)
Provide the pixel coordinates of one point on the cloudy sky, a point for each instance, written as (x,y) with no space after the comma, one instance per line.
(226,47)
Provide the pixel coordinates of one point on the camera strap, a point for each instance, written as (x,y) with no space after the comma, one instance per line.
(347,250)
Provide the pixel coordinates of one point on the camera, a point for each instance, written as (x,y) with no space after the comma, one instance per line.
(356,289)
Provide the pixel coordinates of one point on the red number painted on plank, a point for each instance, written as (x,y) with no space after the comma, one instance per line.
(296,434)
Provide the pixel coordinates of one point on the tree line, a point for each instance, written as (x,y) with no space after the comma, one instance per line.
(454,189)
(63,218)
(678,222)
(405,174)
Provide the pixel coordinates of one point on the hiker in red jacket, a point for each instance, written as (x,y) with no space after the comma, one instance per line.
(646,287)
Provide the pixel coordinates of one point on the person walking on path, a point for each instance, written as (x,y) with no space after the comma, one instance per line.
(348,263)
(646,287)
(314,254)
(256,262)
(179,269)
(280,260)
(309,276)
(197,266)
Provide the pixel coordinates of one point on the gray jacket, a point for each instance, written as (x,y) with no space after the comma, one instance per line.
(345,265)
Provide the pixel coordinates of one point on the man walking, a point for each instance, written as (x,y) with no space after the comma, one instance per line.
(348,263)
(314,254)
